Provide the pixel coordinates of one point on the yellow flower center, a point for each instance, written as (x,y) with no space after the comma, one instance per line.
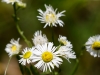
(14,48)
(47,56)
(96,45)
(63,41)
(50,17)
(27,55)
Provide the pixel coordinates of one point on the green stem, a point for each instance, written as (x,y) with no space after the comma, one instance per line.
(34,70)
(53,72)
(18,28)
(27,70)
(77,61)
(20,66)
(7,66)
(22,35)
(14,6)
(52,33)
(75,67)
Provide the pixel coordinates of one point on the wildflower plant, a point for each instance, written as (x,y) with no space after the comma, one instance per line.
(42,55)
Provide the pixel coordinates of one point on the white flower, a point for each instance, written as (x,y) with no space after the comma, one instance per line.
(93,45)
(10,1)
(63,40)
(50,17)
(39,38)
(66,53)
(46,57)
(26,56)
(13,47)
(21,4)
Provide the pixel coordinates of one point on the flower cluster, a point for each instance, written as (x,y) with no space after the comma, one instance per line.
(43,54)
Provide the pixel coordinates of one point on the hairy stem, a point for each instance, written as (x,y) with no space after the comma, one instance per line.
(18,28)
(7,66)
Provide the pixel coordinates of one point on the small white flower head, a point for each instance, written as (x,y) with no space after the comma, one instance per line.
(67,53)
(45,57)
(50,17)
(10,1)
(39,38)
(21,4)
(63,40)
(13,47)
(93,46)
(26,56)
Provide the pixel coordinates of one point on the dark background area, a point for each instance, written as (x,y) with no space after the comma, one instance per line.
(82,20)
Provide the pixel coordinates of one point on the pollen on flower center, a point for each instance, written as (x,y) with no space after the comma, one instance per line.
(47,56)
(96,45)
(13,48)
(27,55)
(50,18)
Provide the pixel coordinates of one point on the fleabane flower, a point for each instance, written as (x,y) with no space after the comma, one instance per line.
(10,1)
(67,53)
(39,38)
(26,56)
(63,40)
(93,46)
(45,57)
(13,47)
(50,17)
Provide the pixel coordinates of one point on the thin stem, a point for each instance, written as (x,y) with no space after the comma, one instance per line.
(20,66)
(7,65)
(77,61)
(34,70)
(75,67)
(53,73)
(27,70)
(22,35)
(18,28)
(58,47)
(52,33)
(14,6)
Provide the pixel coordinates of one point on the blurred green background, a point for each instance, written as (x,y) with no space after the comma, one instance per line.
(82,20)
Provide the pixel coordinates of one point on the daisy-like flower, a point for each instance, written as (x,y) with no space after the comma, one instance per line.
(67,53)
(10,1)
(13,47)
(93,45)
(39,38)
(50,17)
(46,57)
(63,40)
(26,56)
